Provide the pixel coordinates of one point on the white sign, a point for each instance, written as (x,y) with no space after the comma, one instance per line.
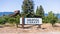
(31,20)
(20,20)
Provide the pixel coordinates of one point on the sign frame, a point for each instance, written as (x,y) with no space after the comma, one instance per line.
(22,20)
(33,20)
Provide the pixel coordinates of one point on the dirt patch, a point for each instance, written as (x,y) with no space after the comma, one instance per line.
(31,28)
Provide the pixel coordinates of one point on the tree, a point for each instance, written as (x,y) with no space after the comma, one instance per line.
(28,7)
(52,18)
(17,20)
(37,11)
(40,11)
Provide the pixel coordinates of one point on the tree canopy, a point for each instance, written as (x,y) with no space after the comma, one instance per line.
(28,7)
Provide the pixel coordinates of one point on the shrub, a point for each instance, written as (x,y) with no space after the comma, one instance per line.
(2,21)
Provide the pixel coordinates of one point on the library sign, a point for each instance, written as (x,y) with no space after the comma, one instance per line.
(31,20)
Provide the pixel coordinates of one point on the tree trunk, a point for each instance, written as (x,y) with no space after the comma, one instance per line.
(52,25)
(17,25)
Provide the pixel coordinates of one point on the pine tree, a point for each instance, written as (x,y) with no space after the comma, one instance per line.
(40,11)
(37,11)
(28,7)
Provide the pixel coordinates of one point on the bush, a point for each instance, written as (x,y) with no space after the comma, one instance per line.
(11,20)
(2,21)
(51,18)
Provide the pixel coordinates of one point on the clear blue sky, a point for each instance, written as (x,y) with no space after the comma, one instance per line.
(48,5)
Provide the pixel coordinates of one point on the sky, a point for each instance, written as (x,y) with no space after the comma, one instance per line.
(48,5)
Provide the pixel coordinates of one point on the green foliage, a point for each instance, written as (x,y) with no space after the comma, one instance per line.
(17,19)
(40,11)
(51,18)
(2,20)
(6,18)
(45,19)
(28,7)
(28,11)
(11,20)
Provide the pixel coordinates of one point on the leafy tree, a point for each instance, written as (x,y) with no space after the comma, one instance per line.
(12,20)
(28,7)
(17,20)
(52,18)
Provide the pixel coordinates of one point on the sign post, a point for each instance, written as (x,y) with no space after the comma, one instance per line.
(39,26)
(23,22)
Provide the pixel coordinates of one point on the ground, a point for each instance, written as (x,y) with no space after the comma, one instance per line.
(30,29)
